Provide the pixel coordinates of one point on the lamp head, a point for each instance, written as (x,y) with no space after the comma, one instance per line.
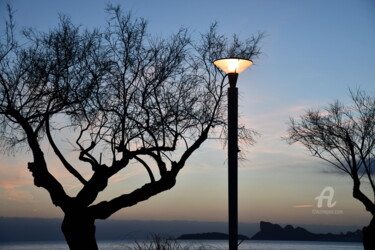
(232,64)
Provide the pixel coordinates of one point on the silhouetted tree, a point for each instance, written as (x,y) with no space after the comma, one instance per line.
(344,136)
(122,96)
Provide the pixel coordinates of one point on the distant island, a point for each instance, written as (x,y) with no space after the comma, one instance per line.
(45,229)
(209,236)
(269,231)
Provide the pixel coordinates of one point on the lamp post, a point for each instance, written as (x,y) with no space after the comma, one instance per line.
(233,66)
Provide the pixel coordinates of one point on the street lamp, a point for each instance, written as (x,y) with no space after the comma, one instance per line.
(233,66)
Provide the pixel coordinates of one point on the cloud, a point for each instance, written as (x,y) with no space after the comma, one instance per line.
(120,177)
(13,177)
(17,194)
(330,169)
(14,183)
(299,206)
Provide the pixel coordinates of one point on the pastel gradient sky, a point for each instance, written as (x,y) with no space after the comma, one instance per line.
(314,51)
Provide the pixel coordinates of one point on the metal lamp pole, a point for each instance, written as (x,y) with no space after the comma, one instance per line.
(233,66)
(232,160)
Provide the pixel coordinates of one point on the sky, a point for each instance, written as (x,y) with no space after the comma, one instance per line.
(313,53)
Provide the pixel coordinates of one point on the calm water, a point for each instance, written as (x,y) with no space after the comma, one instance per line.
(214,245)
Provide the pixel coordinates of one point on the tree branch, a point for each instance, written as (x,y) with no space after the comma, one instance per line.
(106,208)
(38,168)
(147,168)
(66,164)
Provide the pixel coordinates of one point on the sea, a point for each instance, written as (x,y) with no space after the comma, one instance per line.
(194,245)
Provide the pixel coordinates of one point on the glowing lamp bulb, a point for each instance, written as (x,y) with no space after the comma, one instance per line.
(233,65)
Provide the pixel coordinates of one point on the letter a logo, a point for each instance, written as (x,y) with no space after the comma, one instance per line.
(324,196)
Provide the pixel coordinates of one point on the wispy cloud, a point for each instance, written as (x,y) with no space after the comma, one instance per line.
(301,206)
(16,194)
(14,183)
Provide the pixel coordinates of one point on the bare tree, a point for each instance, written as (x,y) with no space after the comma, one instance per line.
(344,136)
(128,97)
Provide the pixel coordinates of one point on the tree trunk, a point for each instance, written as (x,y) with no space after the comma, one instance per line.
(79,231)
(368,235)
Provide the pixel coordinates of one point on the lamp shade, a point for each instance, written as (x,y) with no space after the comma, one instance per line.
(233,65)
